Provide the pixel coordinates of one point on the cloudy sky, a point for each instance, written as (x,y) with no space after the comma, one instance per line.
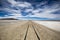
(30,9)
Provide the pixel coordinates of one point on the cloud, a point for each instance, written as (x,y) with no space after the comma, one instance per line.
(19,4)
(25,9)
(47,11)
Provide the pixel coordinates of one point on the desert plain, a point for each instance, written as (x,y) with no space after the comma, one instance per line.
(29,30)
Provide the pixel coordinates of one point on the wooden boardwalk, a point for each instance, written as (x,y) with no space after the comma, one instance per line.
(28,31)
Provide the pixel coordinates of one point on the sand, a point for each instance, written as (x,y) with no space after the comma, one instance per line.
(26,30)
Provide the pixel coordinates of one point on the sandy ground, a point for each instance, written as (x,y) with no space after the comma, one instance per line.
(12,30)
(26,30)
(55,25)
(46,33)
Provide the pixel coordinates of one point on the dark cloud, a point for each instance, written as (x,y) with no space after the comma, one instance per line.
(57,12)
(38,1)
(4,3)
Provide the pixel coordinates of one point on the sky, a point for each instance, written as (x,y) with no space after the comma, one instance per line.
(30,9)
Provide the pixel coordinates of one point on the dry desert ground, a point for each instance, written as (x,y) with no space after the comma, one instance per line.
(29,30)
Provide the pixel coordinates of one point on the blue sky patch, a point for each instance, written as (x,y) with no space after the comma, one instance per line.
(30,9)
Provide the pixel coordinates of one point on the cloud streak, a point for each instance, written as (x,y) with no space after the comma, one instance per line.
(19,8)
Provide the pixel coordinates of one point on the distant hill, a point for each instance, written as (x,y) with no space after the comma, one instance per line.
(8,19)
